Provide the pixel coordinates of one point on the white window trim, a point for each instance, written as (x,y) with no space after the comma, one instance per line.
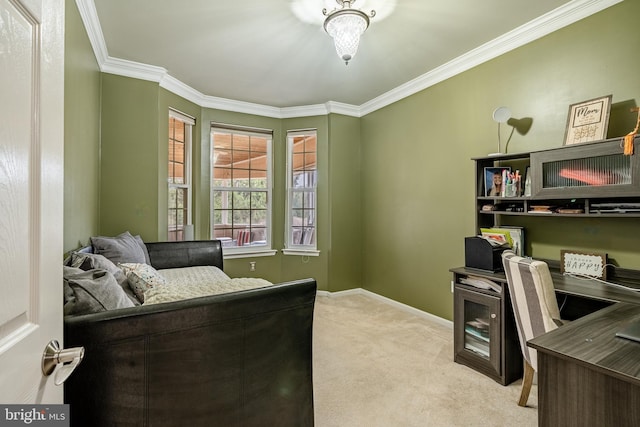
(188,137)
(245,251)
(301,252)
(290,248)
(173,113)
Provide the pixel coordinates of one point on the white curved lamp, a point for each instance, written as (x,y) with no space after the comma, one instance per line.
(500,115)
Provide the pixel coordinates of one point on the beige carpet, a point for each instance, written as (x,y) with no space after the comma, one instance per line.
(375,364)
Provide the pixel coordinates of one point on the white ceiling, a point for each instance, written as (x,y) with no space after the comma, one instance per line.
(259,52)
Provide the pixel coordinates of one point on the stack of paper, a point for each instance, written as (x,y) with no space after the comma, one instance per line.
(481,283)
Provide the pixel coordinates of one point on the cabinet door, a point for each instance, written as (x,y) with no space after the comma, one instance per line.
(586,170)
(477,331)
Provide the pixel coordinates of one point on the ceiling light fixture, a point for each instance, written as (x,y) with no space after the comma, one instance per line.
(346,25)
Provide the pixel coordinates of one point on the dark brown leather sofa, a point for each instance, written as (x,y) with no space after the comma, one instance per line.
(237,359)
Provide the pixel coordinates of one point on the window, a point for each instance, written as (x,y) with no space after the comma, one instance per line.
(301,192)
(241,187)
(179,177)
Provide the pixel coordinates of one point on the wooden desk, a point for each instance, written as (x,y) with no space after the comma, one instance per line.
(566,285)
(504,362)
(595,290)
(586,375)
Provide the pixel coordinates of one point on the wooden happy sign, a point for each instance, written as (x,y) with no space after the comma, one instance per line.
(588,264)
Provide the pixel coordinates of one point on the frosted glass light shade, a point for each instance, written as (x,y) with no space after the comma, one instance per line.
(346,27)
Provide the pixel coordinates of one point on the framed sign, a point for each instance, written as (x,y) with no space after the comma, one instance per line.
(588,120)
(583,263)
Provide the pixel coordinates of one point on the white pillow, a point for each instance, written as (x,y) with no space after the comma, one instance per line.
(142,277)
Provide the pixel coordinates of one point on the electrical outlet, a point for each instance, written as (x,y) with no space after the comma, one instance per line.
(252,266)
(452,286)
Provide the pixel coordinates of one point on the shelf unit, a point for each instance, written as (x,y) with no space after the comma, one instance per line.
(595,179)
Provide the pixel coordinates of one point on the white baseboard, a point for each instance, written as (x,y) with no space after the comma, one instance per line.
(399,305)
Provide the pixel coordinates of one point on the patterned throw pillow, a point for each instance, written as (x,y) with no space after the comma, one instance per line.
(142,277)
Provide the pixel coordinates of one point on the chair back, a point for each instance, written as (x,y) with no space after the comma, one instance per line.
(533,299)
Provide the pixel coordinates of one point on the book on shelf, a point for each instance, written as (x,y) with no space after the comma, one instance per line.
(477,347)
(476,333)
(512,235)
(517,236)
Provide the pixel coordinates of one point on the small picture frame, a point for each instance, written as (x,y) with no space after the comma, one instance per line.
(493,181)
(590,264)
(588,120)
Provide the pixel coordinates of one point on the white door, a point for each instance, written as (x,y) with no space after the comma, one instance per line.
(31,195)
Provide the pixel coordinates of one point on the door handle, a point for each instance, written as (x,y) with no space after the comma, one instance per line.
(68,359)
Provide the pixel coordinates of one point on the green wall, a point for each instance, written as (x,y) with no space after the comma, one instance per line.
(295,266)
(344,213)
(395,187)
(133,192)
(279,267)
(267,267)
(129,157)
(81,133)
(418,179)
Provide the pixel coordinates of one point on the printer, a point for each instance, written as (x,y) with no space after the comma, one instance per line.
(480,254)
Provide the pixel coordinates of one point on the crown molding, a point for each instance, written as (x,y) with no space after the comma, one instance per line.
(174,85)
(345,109)
(561,17)
(304,111)
(136,70)
(89,15)
(241,107)
(533,30)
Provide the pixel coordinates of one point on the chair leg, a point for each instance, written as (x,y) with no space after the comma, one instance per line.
(527,381)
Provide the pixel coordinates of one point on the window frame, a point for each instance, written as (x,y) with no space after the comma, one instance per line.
(231,252)
(292,248)
(189,123)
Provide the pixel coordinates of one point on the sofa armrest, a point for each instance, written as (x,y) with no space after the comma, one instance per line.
(133,322)
(237,359)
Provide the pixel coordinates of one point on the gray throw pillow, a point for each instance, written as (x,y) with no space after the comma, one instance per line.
(118,249)
(88,261)
(144,248)
(92,291)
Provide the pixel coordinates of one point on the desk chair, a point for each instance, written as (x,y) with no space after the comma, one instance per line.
(535,308)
